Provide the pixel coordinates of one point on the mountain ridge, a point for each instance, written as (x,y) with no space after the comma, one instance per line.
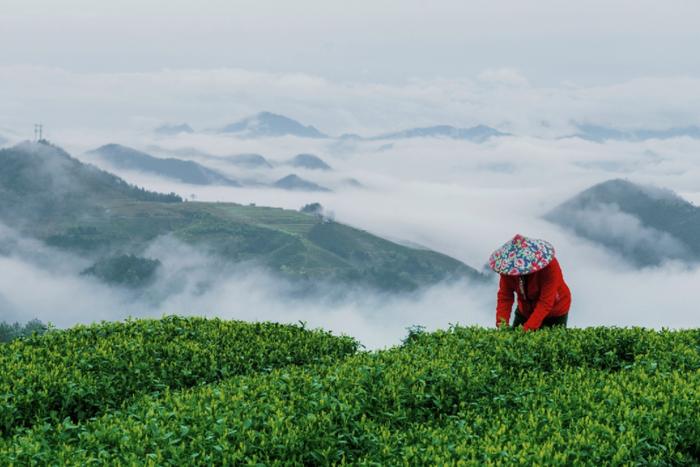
(80,209)
(186,171)
(268,124)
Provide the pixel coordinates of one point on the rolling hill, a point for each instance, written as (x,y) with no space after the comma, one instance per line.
(645,225)
(91,213)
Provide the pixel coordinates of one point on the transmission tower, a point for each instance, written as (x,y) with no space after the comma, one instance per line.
(38,130)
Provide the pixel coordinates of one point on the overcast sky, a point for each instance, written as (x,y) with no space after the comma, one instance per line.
(363,66)
(550,41)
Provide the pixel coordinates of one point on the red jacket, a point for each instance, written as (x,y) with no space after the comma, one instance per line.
(547,295)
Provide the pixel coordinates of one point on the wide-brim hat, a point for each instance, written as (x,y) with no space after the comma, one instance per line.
(522,255)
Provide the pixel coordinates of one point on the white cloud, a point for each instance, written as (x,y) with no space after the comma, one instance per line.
(450,196)
(503,76)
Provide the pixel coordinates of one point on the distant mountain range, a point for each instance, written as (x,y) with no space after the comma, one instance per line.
(600,133)
(268,124)
(78,208)
(122,157)
(186,171)
(477,134)
(643,224)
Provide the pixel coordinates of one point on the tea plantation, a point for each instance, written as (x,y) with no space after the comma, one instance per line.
(187,391)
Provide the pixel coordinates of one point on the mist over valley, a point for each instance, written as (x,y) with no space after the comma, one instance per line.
(137,252)
(349,233)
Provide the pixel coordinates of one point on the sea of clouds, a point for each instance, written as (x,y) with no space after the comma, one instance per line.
(456,197)
(459,198)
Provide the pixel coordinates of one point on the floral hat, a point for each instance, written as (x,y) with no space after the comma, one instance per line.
(521,255)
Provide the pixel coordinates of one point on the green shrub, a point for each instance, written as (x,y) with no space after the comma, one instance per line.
(88,370)
(593,396)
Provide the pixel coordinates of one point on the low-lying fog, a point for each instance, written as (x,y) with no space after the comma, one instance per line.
(460,198)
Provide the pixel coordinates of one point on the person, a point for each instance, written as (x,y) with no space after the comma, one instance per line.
(528,268)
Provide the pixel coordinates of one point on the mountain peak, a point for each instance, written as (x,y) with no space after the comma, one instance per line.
(268,124)
(646,225)
(618,190)
(309,161)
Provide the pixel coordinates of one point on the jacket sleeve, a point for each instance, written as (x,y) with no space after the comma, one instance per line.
(504,304)
(550,281)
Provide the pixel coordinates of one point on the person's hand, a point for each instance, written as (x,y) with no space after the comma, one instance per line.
(528,327)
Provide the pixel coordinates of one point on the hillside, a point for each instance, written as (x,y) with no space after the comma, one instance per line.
(207,392)
(645,225)
(78,208)
(42,184)
(186,171)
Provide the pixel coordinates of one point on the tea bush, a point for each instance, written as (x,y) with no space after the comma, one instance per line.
(87,370)
(465,395)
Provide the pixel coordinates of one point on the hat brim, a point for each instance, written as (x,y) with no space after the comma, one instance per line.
(522,257)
